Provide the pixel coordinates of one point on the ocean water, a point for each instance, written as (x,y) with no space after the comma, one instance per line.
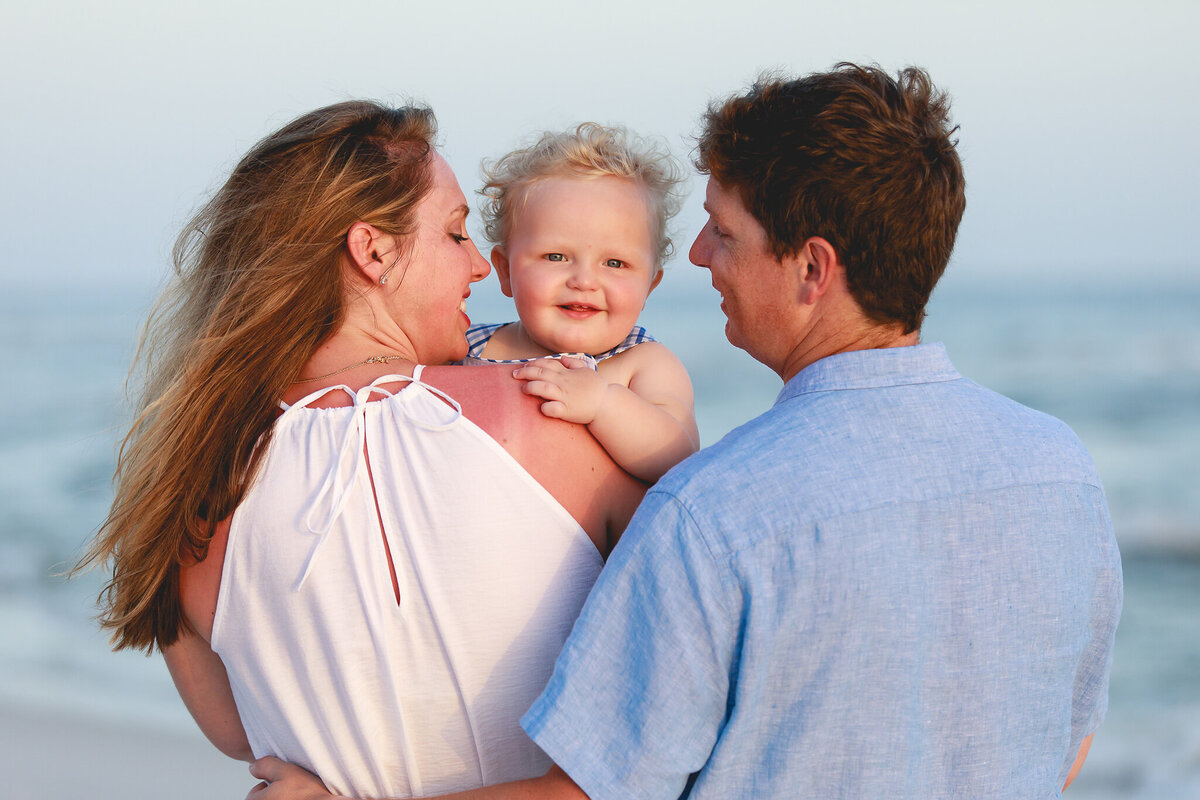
(1122,368)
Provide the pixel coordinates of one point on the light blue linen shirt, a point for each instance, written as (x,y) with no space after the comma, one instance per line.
(893,584)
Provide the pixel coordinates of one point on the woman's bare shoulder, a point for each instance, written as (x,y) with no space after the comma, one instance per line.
(494,400)
(563,457)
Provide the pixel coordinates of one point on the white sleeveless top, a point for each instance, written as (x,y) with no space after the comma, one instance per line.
(384,698)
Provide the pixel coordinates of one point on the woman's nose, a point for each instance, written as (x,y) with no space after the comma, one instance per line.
(480,266)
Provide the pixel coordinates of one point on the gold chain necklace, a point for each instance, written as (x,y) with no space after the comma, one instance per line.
(371,360)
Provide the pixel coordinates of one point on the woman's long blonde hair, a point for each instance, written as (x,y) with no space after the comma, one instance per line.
(258,286)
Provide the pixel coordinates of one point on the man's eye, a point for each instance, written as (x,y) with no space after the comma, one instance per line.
(555,257)
(615,263)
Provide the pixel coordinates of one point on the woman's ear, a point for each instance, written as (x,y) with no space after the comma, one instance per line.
(500,264)
(369,248)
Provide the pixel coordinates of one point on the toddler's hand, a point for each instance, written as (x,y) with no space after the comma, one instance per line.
(573,391)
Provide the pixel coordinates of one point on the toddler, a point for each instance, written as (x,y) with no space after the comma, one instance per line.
(579,224)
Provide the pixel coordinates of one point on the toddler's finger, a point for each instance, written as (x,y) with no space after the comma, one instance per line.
(535,370)
(554,408)
(574,362)
(543,389)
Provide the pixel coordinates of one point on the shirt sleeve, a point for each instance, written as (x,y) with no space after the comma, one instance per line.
(640,691)
(1090,695)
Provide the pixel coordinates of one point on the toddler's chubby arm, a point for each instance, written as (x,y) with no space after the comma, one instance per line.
(639,405)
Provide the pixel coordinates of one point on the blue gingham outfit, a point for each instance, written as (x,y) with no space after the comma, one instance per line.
(479,335)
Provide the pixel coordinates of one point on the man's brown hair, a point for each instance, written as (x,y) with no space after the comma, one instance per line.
(858,158)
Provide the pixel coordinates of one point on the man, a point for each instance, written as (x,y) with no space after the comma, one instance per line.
(895,583)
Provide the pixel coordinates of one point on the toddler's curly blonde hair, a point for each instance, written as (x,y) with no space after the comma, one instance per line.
(587,151)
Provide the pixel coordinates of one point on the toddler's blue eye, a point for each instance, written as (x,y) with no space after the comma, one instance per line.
(555,257)
(615,263)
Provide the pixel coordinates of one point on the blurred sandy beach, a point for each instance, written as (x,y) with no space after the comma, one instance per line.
(1148,748)
(52,755)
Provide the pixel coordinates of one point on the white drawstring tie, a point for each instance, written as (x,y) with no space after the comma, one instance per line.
(354,441)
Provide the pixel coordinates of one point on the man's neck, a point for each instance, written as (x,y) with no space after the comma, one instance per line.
(823,341)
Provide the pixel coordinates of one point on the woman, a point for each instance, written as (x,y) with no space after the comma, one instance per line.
(375,561)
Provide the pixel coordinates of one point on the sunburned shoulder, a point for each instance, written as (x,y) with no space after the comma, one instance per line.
(493,399)
(484,391)
(482,377)
(561,456)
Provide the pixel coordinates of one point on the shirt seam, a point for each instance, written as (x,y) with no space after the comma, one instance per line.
(721,565)
(914,381)
(733,552)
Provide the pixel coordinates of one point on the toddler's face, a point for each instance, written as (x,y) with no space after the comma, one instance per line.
(579,262)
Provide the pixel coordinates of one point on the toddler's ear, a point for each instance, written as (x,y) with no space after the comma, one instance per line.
(656,281)
(500,263)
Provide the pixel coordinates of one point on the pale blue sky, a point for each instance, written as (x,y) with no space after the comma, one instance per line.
(1080,120)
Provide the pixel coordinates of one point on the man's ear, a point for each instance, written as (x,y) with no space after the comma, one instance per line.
(818,266)
(500,264)
(368,248)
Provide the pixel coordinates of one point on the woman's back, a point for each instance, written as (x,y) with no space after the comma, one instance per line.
(408,680)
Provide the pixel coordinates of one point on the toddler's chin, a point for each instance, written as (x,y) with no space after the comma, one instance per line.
(585,348)
(555,346)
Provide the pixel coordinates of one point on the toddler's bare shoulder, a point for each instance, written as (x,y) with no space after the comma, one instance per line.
(646,357)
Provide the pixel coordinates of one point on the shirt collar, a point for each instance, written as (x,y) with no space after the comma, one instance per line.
(872,369)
